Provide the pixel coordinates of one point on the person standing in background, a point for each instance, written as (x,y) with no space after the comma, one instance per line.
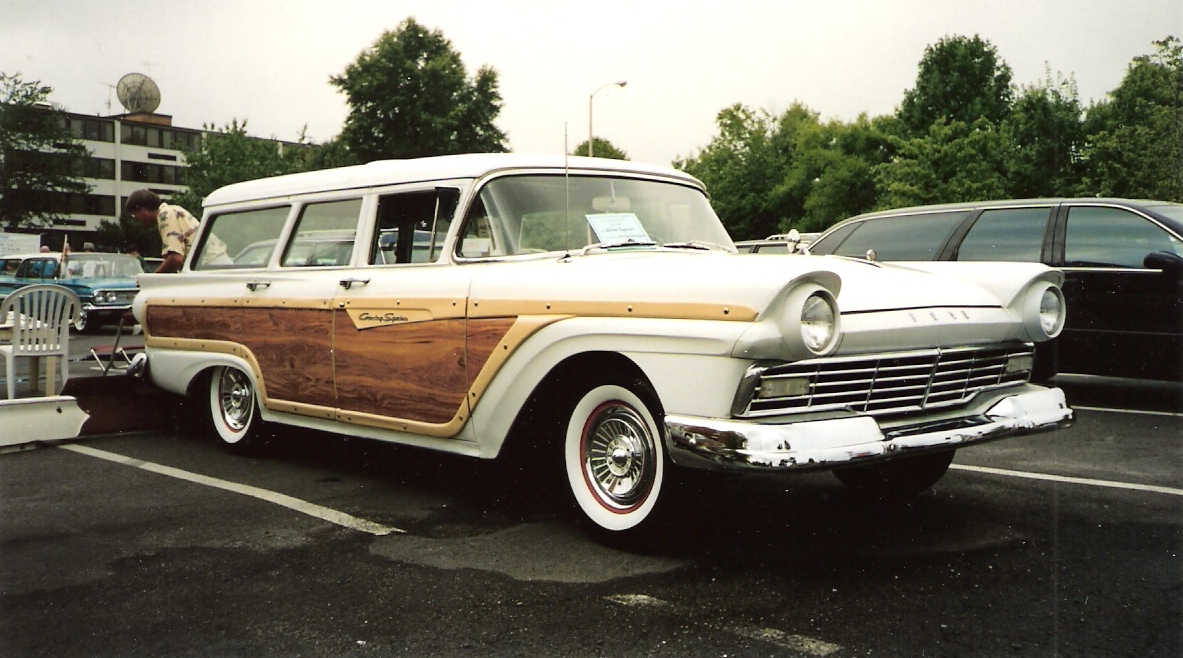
(177,228)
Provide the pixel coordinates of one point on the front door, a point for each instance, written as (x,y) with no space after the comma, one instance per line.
(1123,318)
(400,337)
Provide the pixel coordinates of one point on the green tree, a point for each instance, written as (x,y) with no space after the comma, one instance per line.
(960,79)
(1046,133)
(1135,138)
(40,161)
(229,155)
(955,161)
(410,96)
(742,167)
(604,149)
(829,176)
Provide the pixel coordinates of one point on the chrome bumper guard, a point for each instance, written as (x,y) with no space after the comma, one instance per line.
(724,444)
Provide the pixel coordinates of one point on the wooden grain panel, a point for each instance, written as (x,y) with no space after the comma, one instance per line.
(484,335)
(293,348)
(200,322)
(415,371)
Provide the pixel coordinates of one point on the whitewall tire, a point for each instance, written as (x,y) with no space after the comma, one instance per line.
(614,461)
(233,409)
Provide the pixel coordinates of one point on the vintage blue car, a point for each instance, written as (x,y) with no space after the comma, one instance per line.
(105,282)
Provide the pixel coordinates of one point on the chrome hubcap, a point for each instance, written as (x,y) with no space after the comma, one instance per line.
(618,456)
(237,399)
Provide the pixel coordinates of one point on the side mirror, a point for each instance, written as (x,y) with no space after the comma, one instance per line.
(1169,263)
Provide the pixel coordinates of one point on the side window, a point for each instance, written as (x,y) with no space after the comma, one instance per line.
(482,235)
(1112,237)
(39,268)
(324,235)
(906,237)
(1006,234)
(412,226)
(245,238)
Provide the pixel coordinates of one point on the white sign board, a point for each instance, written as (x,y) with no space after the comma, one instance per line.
(618,228)
(19,243)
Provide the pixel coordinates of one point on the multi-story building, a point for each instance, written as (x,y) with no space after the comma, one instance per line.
(127,152)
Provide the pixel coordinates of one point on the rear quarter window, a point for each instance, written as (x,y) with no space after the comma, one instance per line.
(249,236)
(1006,234)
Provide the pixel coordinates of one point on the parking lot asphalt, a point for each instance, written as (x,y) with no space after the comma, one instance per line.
(143,538)
(157,543)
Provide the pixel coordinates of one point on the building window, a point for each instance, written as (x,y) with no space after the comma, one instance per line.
(152,136)
(145,172)
(93,130)
(82,204)
(103,168)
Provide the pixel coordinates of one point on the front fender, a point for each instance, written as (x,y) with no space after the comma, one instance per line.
(688,363)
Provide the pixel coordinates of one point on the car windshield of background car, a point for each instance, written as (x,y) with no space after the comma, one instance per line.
(537,214)
(906,237)
(91,266)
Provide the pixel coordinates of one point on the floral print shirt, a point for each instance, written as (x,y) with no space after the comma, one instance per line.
(177,227)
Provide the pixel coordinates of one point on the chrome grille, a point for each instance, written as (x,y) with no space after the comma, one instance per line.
(887,384)
(123,296)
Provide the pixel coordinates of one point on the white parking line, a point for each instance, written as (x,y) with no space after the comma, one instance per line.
(798,643)
(1070,480)
(1136,412)
(304,507)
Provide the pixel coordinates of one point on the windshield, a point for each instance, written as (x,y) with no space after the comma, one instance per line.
(537,214)
(96,265)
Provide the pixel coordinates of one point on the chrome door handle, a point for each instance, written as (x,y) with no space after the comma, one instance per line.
(348,283)
(255,285)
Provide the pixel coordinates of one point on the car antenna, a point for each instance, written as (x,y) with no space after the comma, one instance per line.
(567,198)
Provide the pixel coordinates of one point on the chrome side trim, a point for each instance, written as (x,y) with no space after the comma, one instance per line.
(726,444)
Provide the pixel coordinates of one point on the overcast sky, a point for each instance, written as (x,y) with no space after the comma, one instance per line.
(269,61)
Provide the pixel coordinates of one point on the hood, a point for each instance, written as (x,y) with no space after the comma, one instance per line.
(104,283)
(753,281)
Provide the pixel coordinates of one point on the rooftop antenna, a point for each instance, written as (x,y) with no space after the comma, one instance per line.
(110,88)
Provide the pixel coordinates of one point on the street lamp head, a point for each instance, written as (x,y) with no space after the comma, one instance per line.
(590,137)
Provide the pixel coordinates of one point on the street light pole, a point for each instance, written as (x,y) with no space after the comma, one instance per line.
(590,137)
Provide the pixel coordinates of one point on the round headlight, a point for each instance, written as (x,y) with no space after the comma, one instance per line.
(1051,310)
(817,322)
(1043,312)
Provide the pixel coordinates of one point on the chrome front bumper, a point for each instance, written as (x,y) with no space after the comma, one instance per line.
(724,444)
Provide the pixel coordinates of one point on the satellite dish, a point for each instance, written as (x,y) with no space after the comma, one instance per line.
(138,93)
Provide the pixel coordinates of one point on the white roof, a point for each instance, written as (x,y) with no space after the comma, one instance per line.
(444,167)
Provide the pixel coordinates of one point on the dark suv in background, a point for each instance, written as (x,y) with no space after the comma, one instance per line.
(1122,261)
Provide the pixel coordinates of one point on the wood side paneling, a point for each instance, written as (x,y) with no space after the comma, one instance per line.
(484,335)
(200,322)
(415,371)
(294,352)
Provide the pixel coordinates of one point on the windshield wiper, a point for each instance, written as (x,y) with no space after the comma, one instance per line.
(605,246)
(695,244)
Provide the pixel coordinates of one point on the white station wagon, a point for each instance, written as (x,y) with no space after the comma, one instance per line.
(591,317)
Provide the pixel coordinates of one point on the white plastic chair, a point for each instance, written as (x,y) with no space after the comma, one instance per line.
(41,316)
